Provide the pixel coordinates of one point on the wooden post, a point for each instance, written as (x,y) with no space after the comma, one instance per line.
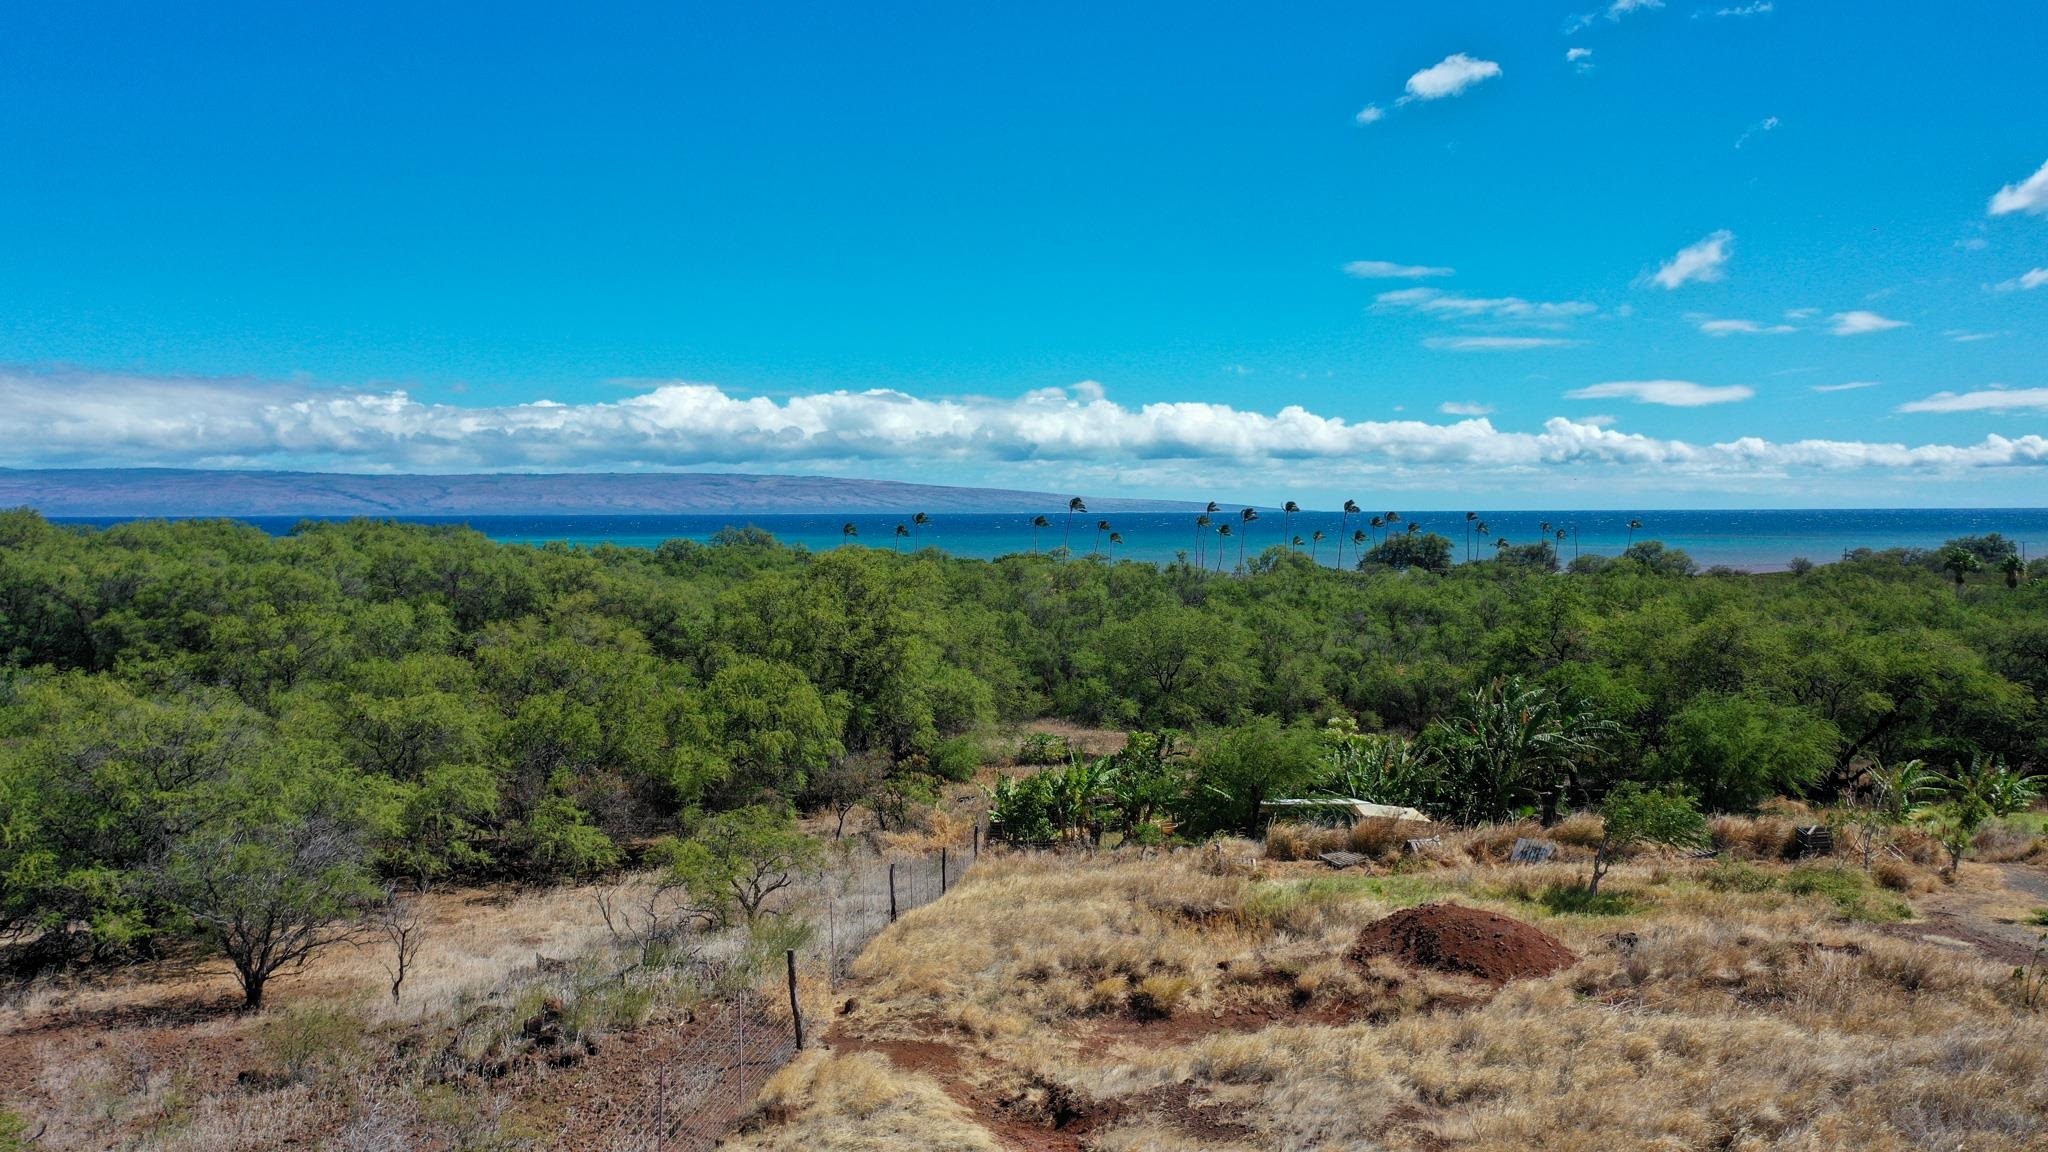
(892,892)
(942,871)
(796,1012)
(977,839)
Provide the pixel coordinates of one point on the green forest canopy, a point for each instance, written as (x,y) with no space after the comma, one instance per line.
(176,696)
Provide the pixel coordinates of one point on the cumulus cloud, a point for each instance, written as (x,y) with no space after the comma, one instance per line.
(1496,343)
(1448,77)
(1743,328)
(87,419)
(1993,399)
(2029,196)
(1703,261)
(2025,282)
(1371,114)
(1579,58)
(1388,270)
(1450,305)
(1860,323)
(1670,393)
(1459,408)
(1851,386)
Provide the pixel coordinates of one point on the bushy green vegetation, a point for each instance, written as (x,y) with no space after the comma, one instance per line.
(202,726)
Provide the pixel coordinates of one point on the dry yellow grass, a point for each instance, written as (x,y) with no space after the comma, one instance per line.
(824,1102)
(1702,1019)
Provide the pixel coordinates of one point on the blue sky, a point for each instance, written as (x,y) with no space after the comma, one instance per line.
(1627,253)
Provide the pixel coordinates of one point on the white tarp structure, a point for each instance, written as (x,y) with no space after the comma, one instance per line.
(1331,806)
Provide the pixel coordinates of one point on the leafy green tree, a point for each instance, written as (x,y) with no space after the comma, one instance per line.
(1632,815)
(1238,769)
(1179,665)
(1737,751)
(1379,768)
(1654,557)
(1426,550)
(734,862)
(768,726)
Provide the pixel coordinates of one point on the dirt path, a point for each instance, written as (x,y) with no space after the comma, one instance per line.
(1985,913)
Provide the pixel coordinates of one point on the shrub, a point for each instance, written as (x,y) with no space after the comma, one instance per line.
(1580,830)
(1156,997)
(1379,838)
(307,1041)
(1896,875)
(1572,900)
(1735,876)
(1043,748)
(1755,837)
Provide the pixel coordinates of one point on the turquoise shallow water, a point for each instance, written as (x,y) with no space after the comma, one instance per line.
(1758,539)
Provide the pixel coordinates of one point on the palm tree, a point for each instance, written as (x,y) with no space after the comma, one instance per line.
(921,520)
(1632,526)
(2014,568)
(1481,528)
(903,531)
(1247,515)
(1315,539)
(1350,506)
(1287,511)
(1500,543)
(1392,518)
(1075,505)
(1295,544)
(1202,540)
(848,531)
(1357,546)
(1213,508)
(1376,522)
(1222,534)
(1543,529)
(1037,522)
(1470,517)
(1560,539)
(1960,562)
(1115,538)
(1101,526)
(1413,527)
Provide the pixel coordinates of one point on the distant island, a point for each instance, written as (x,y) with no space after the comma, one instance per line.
(202,492)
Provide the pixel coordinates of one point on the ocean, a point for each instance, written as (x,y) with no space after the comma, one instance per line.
(1759,540)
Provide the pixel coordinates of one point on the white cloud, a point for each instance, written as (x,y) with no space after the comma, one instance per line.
(1437,302)
(1448,77)
(1670,393)
(1993,399)
(2025,282)
(1964,336)
(1497,343)
(1387,270)
(1756,9)
(1801,313)
(1371,114)
(1860,323)
(1851,386)
(1579,58)
(1620,8)
(1460,408)
(1743,328)
(1764,125)
(1703,261)
(103,419)
(2029,196)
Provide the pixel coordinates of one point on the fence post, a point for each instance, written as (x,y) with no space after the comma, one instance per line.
(796,1012)
(661,1106)
(977,839)
(942,871)
(892,891)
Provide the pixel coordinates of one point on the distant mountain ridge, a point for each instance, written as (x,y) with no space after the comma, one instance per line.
(201,492)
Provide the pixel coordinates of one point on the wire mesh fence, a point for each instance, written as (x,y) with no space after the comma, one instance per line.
(725,1048)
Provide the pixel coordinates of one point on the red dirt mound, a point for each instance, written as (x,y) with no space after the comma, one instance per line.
(1465,941)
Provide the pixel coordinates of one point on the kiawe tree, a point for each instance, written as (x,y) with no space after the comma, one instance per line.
(1632,815)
